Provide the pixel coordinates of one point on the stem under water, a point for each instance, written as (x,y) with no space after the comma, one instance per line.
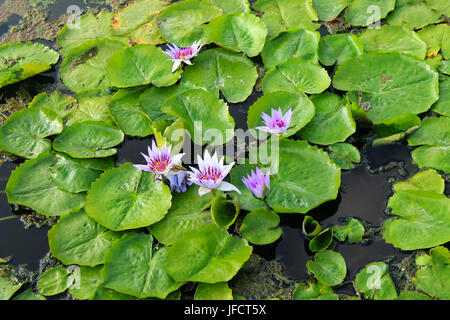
(7,218)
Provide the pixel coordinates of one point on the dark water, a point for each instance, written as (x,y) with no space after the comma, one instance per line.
(364,193)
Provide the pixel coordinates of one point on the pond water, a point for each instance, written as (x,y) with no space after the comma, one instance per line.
(364,193)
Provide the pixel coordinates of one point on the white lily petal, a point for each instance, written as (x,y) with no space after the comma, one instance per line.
(176,65)
(202,191)
(225,186)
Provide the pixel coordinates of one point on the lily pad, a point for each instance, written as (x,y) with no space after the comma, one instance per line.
(375,282)
(205,117)
(224,212)
(84,68)
(241,32)
(422,218)
(354,230)
(442,106)
(394,39)
(292,43)
(141,65)
(133,267)
(152,99)
(29,295)
(416,14)
(328,267)
(322,241)
(213,291)
(344,155)
(85,244)
(389,84)
(19,61)
(62,104)
(24,133)
(127,198)
(261,226)
(338,48)
(428,180)
(296,75)
(434,136)
(91,280)
(333,121)
(327,10)
(311,227)
(302,176)
(76,175)
(92,106)
(314,290)
(437,38)
(31,185)
(301,106)
(413,295)
(55,280)
(182,218)
(232,6)
(367,12)
(219,70)
(9,285)
(280,15)
(128,113)
(208,254)
(89,139)
(183,23)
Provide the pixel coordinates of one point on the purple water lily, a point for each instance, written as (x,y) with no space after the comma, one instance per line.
(178,182)
(277,122)
(160,161)
(258,183)
(180,55)
(210,174)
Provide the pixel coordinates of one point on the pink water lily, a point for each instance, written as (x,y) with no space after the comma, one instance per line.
(277,122)
(258,183)
(210,174)
(180,55)
(160,161)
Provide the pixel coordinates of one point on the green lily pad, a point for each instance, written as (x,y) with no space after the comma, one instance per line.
(31,185)
(183,23)
(311,227)
(321,241)
(433,276)
(133,267)
(261,226)
(302,176)
(84,68)
(242,32)
(292,43)
(338,48)
(354,230)
(182,218)
(9,285)
(219,70)
(208,254)
(232,6)
(92,106)
(311,290)
(29,295)
(89,139)
(85,244)
(224,212)
(24,133)
(19,61)
(62,104)
(103,293)
(169,134)
(375,282)
(344,155)
(296,75)
(416,14)
(327,10)
(412,295)
(127,198)
(328,267)
(152,99)
(213,291)
(389,84)
(434,136)
(437,39)
(141,65)
(55,280)
(91,279)
(202,113)
(301,106)
(367,12)
(76,175)
(332,123)
(280,15)
(128,113)
(442,106)
(394,39)
(422,220)
(428,180)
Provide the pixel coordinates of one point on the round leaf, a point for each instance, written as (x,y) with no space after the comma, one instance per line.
(328,267)
(338,48)
(224,212)
(261,226)
(62,104)
(322,241)
(213,291)
(366,12)
(375,282)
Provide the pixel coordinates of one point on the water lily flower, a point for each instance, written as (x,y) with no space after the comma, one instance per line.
(160,161)
(277,122)
(180,55)
(258,183)
(178,182)
(210,174)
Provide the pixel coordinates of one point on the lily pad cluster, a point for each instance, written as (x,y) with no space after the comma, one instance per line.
(122,233)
